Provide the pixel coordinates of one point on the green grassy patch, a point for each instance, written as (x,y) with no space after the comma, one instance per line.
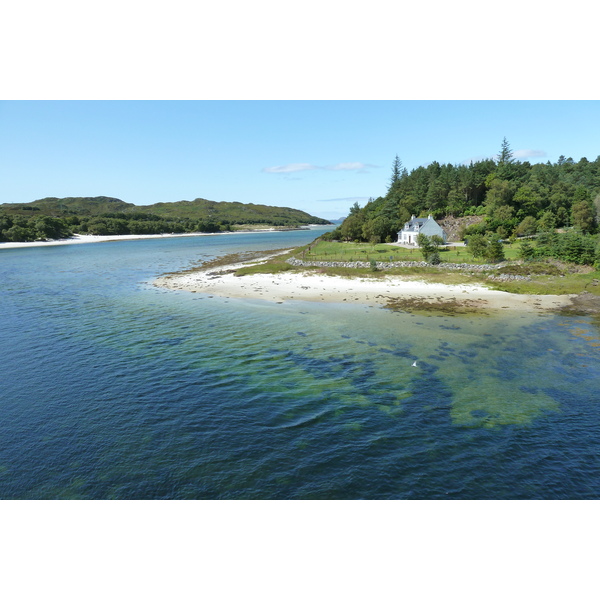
(270,267)
(528,269)
(568,283)
(360,252)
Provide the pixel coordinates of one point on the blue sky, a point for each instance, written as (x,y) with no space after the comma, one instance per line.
(318,156)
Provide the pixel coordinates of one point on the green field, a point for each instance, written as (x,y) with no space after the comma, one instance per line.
(545,277)
(353,251)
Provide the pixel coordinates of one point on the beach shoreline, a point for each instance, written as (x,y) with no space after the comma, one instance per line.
(87,239)
(390,291)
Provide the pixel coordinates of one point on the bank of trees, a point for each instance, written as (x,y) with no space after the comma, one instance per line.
(19,228)
(29,229)
(53,218)
(573,247)
(513,197)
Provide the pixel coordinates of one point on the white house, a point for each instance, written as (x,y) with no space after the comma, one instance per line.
(410,231)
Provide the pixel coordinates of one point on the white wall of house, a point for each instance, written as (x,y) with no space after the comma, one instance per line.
(408,235)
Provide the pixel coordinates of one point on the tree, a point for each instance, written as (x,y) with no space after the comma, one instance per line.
(502,213)
(583,216)
(528,226)
(506,155)
(500,193)
(355,209)
(506,165)
(547,222)
(494,251)
(527,202)
(351,228)
(50,228)
(597,206)
(429,247)
(488,247)
(476,245)
(17,233)
(396,173)
(526,251)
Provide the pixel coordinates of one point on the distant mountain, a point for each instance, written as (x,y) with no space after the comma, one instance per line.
(61,207)
(228,213)
(232,212)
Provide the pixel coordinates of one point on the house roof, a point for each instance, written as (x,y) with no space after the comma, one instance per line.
(416,224)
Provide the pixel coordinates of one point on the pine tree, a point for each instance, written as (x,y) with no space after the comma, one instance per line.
(505,156)
(396,173)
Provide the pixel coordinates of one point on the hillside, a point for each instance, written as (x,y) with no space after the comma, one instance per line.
(53,218)
(205,210)
(503,197)
(61,207)
(231,213)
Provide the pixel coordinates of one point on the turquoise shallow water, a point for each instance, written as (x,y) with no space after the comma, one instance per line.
(111,388)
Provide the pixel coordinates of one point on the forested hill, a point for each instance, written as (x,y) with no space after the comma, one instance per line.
(232,213)
(64,207)
(51,218)
(513,197)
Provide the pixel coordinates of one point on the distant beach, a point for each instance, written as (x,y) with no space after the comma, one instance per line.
(87,239)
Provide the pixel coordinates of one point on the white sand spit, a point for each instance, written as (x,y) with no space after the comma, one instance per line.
(287,286)
(86,239)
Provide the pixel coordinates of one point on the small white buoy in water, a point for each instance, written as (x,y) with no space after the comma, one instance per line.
(414,364)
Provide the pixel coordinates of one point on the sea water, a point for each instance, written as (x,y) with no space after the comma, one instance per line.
(113,388)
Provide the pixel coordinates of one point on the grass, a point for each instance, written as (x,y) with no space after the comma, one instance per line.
(570,283)
(545,277)
(271,267)
(353,251)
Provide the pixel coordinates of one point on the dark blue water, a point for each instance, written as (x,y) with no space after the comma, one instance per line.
(112,388)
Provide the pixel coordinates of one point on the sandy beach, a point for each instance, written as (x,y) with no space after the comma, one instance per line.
(308,286)
(87,239)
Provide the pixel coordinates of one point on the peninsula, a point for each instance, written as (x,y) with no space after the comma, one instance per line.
(401,292)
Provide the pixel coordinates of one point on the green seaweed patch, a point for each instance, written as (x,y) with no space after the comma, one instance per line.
(436,306)
(472,407)
(391,411)
(352,426)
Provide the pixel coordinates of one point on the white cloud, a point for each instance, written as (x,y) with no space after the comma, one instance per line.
(529,153)
(344,166)
(349,166)
(291,168)
(358,199)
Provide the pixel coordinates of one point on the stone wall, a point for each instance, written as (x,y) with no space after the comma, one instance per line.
(384,266)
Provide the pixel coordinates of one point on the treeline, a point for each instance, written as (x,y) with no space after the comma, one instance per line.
(18,228)
(54,218)
(513,197)
(573,247)
(29,229)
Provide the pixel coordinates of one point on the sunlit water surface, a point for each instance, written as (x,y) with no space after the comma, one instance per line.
(112,388)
